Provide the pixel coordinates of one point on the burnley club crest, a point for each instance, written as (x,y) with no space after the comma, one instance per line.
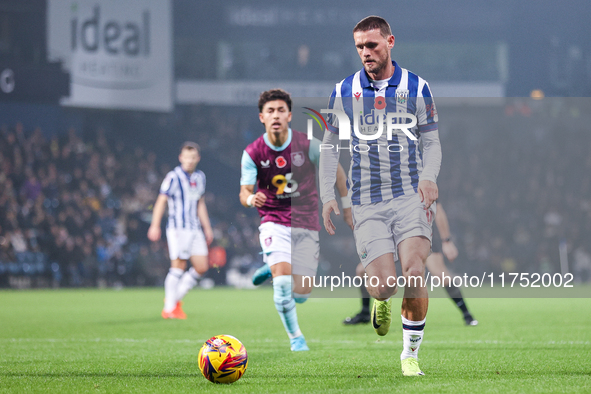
(298,159)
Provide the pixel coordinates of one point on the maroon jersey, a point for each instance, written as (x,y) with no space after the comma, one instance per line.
(288,179)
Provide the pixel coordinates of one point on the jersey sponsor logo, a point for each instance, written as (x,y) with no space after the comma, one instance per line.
(370,126)
(280,161)
(266,163)
(401,96)
(298,159)
(286,185)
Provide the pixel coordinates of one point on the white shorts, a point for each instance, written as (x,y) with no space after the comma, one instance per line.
(296,246)
(184,243)
(380,227)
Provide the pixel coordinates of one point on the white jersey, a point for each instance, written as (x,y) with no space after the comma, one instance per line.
(382,169)
(183,191)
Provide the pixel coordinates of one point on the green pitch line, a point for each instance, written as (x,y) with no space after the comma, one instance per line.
(105,341)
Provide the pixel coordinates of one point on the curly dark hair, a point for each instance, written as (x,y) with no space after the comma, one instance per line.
(272,95)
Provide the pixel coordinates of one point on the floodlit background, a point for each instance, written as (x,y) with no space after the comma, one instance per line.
(97,96)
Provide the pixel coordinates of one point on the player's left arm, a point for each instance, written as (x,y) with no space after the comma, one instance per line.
(447,246)
(341,184)
(427,123)
(204,219)
(329,162)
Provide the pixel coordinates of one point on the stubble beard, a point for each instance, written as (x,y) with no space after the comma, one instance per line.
(378,66)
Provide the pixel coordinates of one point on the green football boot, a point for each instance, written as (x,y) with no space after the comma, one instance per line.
(381,316)
(410,367)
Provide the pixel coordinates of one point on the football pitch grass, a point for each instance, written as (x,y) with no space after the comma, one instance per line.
(107,341)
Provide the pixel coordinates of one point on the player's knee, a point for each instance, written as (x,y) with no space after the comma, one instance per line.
(414,271)
(181,264)
(385,292)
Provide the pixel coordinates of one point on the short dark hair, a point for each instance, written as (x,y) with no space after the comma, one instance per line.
(272,95)
(373,22)
(190,145)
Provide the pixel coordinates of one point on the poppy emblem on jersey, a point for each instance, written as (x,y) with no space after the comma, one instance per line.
(401,96)
(193,184)
(357,95)
(268,241)
(280,161)
(265,164)
(380,103)
(298,159)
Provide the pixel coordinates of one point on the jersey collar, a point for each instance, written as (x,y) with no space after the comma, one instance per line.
(393,81)
(184,172)
(282,147)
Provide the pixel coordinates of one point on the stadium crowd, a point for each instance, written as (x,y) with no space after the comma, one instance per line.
(519,186)
(75,212)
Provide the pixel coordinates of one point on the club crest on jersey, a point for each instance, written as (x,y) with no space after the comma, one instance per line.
(298,159)
(357,95)
(280,162)
(266,163)
(401,96)
(193,184)
(268,241)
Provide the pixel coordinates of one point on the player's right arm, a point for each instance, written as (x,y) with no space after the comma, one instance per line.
(258,199)
(329,163)
(154,232)
(248,197)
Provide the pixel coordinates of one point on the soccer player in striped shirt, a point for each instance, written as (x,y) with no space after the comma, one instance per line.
(188,231)
(392,181)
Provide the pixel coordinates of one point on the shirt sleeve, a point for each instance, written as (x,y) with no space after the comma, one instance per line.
(431,156)
(203,180)
(314,151)
(248,169)
(167,184)
(427,122)
(329,162)
(329,158)
(332,120)
(426,112)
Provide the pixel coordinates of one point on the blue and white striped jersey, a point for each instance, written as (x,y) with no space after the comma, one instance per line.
(183,191)
(383,169)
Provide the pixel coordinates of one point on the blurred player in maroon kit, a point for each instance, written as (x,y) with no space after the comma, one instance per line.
(282,164)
